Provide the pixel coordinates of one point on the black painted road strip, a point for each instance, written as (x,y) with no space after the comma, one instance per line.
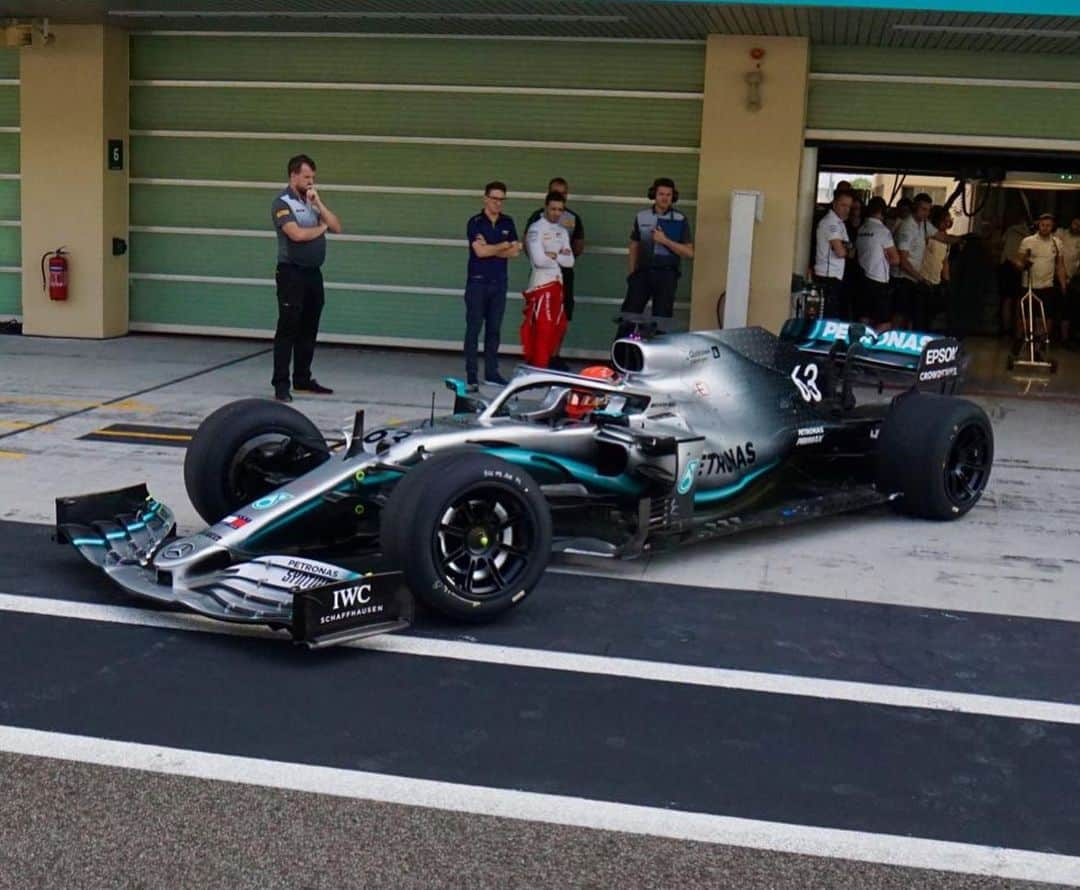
(142,434)
(905,771)
(999,655)
(136,394)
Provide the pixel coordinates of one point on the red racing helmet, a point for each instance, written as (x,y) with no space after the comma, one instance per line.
(583,401)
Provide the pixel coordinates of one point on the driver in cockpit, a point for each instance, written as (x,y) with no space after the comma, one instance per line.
(583,402)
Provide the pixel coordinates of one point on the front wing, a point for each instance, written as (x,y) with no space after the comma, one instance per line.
(319,603)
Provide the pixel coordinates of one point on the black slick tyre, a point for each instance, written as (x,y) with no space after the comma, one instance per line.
(471,532)
(247,449)
(935,452)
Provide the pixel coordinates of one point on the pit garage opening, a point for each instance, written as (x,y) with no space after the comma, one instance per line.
(994,198)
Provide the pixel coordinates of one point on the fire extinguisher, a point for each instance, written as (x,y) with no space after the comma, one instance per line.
(57,279)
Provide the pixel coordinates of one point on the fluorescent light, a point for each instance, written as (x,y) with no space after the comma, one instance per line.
(433,16)
(989,32)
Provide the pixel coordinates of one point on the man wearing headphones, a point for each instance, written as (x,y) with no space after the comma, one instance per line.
(659,241)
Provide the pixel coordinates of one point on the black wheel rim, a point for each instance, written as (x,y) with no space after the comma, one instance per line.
(968,465)
(266,462)
(482,542)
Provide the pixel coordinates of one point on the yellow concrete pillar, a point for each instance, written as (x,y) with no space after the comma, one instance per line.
(73,99)
(757,150)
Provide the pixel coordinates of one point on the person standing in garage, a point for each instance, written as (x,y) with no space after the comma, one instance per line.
(1042,261)
(1008,277)
(935,266)
(1070,248)
(912,290)
(301,221)
(876,254)
(831,248)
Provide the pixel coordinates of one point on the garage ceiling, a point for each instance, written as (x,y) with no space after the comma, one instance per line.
(945,30)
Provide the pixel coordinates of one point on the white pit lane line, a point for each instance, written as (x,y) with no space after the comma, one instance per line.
(578,812)
(547,659)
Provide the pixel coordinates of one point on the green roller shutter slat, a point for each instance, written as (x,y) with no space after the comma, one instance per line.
(403,265)
(9,152)
(10,294)
(9,106)
(415,216)
(468,116)
(965,110)
(544,63)
(937,63)
(422,166)
(421,317)
(214,305)
(10,195)
(9,63)
(10,246)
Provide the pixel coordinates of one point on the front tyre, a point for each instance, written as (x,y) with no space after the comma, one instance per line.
(247,449)
(471,532)
(936,452)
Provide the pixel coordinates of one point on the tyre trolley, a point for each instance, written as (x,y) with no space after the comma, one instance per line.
(1032,348)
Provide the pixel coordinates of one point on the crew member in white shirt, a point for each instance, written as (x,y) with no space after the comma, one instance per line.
(912,290)
(1008,276)
(876,252)
(1041,258)
(831,249)
(1070,244)
(935,264)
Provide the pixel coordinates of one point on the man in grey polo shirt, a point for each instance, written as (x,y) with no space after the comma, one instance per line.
(301,221)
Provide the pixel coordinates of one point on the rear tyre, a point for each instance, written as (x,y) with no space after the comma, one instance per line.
(936,452)
(472,534)
(247,449)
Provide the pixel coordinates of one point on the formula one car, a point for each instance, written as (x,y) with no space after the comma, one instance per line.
(690,436)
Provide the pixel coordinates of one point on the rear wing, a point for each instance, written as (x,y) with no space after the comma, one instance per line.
(929,361)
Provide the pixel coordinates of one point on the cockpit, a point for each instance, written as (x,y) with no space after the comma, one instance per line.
(570,399)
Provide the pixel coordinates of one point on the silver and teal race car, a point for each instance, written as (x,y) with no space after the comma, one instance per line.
(686,437)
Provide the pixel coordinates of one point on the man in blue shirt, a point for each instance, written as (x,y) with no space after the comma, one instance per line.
(301,221)
(492,241)
(659,241)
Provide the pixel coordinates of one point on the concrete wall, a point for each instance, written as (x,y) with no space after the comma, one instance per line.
(74,97)
(757,150)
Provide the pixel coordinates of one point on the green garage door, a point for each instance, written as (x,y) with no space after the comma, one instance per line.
(405,132)
(10,236)
(991,99)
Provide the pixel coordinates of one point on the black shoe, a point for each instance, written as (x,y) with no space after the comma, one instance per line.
(281,393)
(557,364)
(472,386)
(314,386)
(495,380)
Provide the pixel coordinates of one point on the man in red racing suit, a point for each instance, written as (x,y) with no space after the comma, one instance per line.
(548,245)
